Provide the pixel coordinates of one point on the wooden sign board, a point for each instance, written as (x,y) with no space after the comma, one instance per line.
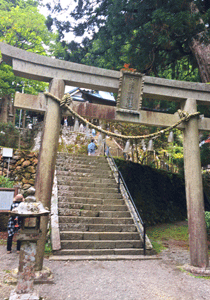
(6,198)
(129,98)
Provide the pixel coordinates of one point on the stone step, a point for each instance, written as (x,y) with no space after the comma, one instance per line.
(88,172)
(82,164)
(94,220)
(89,194)
(93,217)
(65,201)
(94,207)
(86,179)
(88,189)
(82,168)
(99,236)
(96,228)
(80,157)
(85,173)
(86,184)
(100,252)
(66,156)
(98,244)
(92,213)
(111,257)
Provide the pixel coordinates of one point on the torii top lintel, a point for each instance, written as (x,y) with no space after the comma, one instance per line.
(33,66)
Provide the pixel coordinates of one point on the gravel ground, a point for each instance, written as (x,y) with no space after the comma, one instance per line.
(120,280)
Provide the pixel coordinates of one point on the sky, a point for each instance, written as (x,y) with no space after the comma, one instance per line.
(63,16)
(69,36)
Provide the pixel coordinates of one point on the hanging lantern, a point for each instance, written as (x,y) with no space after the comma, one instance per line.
(171,137)
(81,128)
(143,145)
(76,125)
(87,133)
(150,146)
(99,139)
(127,147)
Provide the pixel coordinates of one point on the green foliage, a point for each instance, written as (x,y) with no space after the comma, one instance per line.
(207,219)
(6,182)
(82,149)
(48,248)
(159,196)
(9,135)
(14,30)
(70,148)
(156,36)
(31,35)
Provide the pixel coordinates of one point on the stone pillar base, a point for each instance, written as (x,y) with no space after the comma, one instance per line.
(28,296)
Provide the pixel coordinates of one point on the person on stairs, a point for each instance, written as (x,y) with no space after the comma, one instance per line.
(91,148)
(14,224)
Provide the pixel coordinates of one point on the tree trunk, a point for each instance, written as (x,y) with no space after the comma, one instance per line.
(4,109)
(201,51)
(202,54)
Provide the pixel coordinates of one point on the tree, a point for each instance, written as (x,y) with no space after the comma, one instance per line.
(157,37)
(32,35)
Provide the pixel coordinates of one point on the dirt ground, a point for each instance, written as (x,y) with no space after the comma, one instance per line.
(120,280)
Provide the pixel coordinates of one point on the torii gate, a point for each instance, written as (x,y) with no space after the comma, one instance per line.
(59,73)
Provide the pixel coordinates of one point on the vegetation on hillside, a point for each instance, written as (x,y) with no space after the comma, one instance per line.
(158,195)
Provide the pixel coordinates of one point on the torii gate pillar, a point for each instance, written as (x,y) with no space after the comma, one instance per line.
(194,190)
(47,160)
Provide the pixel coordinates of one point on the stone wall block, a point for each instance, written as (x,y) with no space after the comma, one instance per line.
(31,181)
(35,161)
(31,169)
(27,175)
(26,186)
(18,168)
(19,162)
(26,163)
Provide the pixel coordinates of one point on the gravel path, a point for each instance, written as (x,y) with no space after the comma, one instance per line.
(120,280)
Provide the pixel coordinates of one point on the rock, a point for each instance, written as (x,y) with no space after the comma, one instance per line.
(34,161)
(26,163)
(17,157)
(19,162)
(31,154)
(30,199)
(26,187)
(31,181)
(18,168)
(30,191)
(31,169)
(25,181)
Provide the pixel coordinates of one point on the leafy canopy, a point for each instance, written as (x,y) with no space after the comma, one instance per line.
(154,36)
(24,27)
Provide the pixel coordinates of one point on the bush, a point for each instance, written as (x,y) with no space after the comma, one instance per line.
(6,182)
(207,219)
(9,135)
(159,195)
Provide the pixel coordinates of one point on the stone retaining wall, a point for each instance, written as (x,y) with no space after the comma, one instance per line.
(22,168)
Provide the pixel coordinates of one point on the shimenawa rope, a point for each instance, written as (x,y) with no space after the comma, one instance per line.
(67,100)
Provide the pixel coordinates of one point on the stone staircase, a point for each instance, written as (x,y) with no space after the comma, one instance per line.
(94,219)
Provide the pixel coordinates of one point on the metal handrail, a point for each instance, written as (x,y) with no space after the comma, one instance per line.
(120,178)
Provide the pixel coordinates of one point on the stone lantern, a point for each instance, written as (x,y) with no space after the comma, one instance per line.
(30,214)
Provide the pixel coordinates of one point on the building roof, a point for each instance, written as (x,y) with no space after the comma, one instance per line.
(98,97)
